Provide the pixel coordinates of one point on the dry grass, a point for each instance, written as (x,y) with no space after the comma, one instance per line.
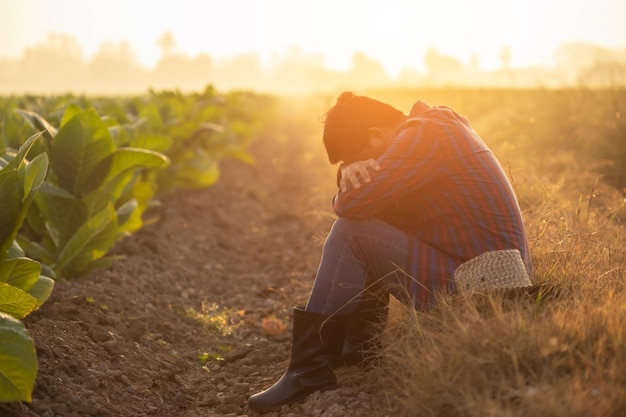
(563,355)
(491,357)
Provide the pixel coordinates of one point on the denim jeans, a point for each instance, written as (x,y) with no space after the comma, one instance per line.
(358,255)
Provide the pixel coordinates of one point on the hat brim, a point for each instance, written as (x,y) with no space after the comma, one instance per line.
(532,292)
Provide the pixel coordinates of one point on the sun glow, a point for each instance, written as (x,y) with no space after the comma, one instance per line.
(482,34)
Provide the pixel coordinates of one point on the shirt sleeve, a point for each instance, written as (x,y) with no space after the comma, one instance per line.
(413,160)
(339,175)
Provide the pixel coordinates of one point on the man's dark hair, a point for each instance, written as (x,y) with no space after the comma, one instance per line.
(346,124)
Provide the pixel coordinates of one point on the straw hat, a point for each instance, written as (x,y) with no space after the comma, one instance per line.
(500,269)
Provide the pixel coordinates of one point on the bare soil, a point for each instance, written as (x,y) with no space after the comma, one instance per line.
(175,326)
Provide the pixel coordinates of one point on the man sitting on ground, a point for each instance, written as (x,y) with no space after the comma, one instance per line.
(419,195)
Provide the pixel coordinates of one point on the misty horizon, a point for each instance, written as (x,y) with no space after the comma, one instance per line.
(58,66)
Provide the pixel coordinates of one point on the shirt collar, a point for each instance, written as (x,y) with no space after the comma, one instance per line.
(418,108)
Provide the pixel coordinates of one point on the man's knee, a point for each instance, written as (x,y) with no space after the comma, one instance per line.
(359,224)
(346,226)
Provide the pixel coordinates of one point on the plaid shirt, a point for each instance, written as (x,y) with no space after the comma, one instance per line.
(442,185)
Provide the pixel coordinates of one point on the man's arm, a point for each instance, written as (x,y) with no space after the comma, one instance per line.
(356,173)
(412,160)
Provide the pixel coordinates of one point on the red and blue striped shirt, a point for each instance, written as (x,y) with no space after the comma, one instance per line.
(444,187)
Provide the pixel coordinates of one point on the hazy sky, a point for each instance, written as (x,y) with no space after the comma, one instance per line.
(395,32)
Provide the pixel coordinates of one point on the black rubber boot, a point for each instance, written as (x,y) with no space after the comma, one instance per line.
(363,329)
(316,341)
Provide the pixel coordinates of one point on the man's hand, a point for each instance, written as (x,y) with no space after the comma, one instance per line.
(357,173)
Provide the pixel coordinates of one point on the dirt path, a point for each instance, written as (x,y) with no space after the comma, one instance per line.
(128,341)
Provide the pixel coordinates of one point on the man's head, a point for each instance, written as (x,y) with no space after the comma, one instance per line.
(358,128)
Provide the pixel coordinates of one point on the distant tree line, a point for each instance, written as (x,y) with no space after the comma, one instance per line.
(58,66)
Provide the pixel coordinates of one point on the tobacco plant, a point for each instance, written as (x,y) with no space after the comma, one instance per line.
(23,288)
(87,202)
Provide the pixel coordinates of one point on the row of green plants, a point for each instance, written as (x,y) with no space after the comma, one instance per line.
(78,174)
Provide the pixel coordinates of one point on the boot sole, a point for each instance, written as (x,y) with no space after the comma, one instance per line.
(298,399)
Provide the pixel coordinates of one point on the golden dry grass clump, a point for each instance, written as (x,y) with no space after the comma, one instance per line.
(495,357)
(557,354)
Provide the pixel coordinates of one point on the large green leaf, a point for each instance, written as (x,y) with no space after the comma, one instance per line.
(63,213)
(20,157)
(34,223)
(16,302)
(71,111)
(78,148)
(91,241)
(31,177)
(128,159)
(19,181)
(97,200)
(93,255)
(152,142)
(42,290)
(10,202)
(144,192)
(54,190)
(20,272)
(15,251)
(115,188)
(84,266)
(38,123)
(129,216)
(126,165)
(18,361)
(36,250)
(34,174)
